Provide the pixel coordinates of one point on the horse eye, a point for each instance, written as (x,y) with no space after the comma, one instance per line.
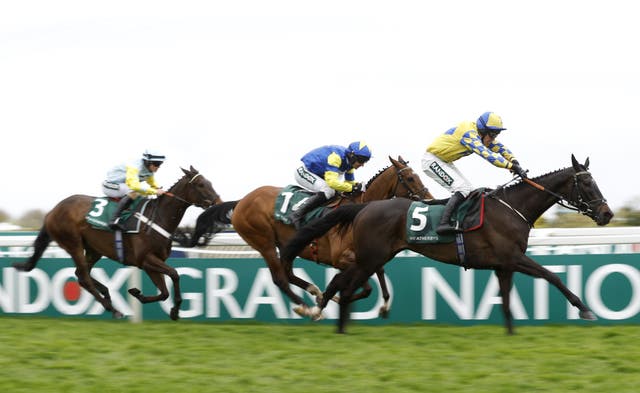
(411,180)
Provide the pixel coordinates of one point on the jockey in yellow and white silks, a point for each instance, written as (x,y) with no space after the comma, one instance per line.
(328,169)
(468,137)
(131,180)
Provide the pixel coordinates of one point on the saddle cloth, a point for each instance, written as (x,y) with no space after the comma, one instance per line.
(423,218)
(102,210)
(289,199)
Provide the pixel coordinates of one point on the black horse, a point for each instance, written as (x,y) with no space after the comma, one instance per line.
(379,233)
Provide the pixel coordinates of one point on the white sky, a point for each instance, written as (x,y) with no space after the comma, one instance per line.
(241,89)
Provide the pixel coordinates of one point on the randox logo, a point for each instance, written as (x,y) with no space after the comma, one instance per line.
(306,175)
(442,174)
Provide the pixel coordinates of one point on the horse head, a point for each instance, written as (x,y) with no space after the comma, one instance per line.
(412,185)
(197,190)
(586,195)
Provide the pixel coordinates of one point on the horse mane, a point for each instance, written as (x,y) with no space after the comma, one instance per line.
(541,177)
(376,176)
(177,181)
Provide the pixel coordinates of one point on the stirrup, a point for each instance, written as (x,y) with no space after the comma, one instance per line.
(115,225)
(446,229)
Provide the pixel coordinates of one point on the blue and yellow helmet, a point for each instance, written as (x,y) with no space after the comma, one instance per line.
(360,150)
(489,121)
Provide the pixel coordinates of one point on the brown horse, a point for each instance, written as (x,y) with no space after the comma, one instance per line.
(379,233)
(148,250)
(253,219)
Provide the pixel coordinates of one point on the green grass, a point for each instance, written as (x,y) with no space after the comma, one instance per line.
(78,355)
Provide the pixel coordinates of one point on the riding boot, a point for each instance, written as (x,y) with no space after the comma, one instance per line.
(445,227)
(124,203)
(314,201)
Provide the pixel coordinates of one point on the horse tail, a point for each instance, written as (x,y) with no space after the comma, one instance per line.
(209,222)
(40,245)
(342,216)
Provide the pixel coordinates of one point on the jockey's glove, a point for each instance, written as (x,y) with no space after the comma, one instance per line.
(517,169)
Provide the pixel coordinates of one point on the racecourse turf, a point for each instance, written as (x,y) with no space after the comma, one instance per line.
(84,355)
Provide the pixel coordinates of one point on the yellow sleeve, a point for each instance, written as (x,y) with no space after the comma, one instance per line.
(333,180)
(152,182)
(133,182)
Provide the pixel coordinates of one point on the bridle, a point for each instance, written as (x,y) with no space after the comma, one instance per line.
(172,195)
(577,201)
(411,194)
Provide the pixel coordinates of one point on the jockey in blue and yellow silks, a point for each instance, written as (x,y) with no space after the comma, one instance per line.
(328,169)
(468,137)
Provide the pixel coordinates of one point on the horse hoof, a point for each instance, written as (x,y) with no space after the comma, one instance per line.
(118,315)
(174,314)
(588,316)
(316,314)
(21,267)
(135,292)
(383,313)
(303,311)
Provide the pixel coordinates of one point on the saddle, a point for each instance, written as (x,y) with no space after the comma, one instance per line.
(423,218)
(103,208)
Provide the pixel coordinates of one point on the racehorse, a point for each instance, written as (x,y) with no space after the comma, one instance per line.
(253,219)
(379,233)
(148,249)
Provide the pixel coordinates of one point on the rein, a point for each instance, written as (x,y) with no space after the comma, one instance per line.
(578,205)
(172,195)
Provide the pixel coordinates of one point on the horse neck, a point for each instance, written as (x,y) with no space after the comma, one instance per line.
(530,201)
(169,210)
(382,185)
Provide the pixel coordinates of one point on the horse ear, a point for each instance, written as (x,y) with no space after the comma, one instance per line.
(401,159)
(575,163)
(394,162)
(193,170)
(586,164)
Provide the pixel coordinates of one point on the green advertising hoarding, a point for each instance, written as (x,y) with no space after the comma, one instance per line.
(422,291)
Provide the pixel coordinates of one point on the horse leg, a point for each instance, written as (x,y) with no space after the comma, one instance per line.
(280,277)
(299,282)
(91,257)
(528,266)
(364,293)
(356,278)
(386,306)
(156,269)
(505,280)
(93,286)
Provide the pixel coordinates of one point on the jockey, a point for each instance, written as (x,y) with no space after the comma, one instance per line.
(128,181)
(468,137)
(323,170)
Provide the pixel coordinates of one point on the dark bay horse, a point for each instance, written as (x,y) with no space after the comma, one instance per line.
(66,224)
(379,233)
(253,219)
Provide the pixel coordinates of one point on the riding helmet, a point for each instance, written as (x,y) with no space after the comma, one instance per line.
(489,121)
(360,150)
(153,155)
